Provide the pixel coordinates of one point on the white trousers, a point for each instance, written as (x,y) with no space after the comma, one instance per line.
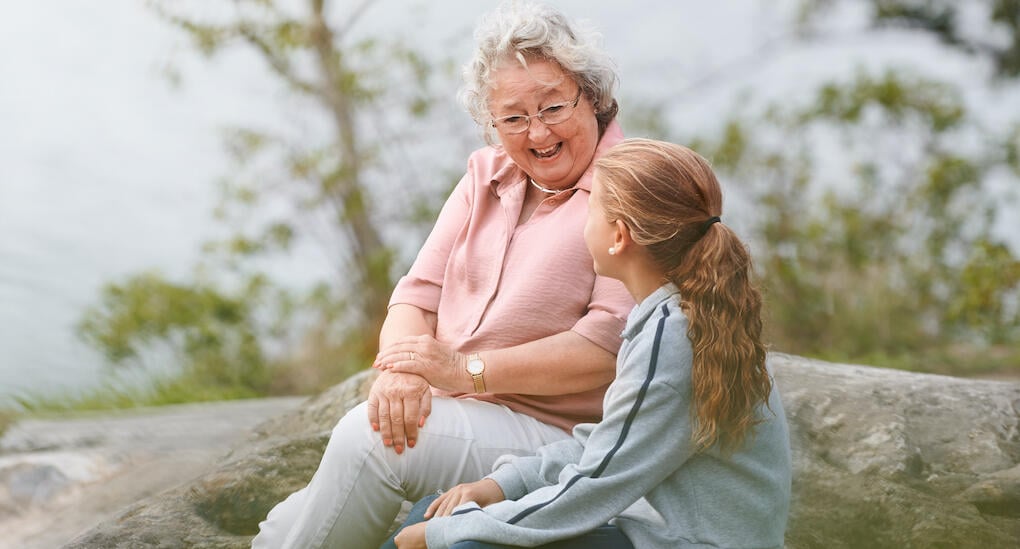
(360,485)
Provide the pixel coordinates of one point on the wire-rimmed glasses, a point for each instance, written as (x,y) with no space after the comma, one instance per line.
(553,114)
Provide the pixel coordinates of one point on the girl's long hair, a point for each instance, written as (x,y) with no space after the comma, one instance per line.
(667,195)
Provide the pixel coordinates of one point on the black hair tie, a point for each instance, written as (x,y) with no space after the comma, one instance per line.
(707,224)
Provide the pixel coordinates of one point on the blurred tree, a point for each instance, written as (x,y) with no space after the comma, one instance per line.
(989,28)
(214,338)
(873,224)
(346,82)
(949,21)
(316,184)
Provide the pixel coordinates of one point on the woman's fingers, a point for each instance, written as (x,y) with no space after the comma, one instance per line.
(406,357)
(372,408)
(411,408)
(424,356)
(385,429)
(424,408)
(410,349)
(394,408)
(405,365)
(397,428)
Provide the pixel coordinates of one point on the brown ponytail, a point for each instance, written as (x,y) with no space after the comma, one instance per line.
(669,198)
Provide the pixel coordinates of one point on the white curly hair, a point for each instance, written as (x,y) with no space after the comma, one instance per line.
(526,30)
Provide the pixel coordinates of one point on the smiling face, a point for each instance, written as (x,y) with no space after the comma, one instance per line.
(554,156)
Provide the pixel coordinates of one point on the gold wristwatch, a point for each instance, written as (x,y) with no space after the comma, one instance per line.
(476,367)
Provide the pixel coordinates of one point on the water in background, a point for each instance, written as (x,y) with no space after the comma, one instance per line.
(107,170)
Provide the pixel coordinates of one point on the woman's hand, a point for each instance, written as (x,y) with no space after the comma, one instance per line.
(412,537)
(397,406)
(425,356)
(483,492)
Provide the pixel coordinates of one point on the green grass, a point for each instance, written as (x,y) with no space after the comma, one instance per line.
(7,417)
(959,361)
(110,395)
(299,377)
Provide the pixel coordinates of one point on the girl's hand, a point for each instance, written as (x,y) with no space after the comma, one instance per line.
(483,492)
(425,356)
(412,537)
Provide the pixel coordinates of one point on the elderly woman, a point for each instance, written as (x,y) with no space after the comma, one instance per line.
(510,332)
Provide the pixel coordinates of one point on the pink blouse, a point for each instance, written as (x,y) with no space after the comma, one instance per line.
(496,284)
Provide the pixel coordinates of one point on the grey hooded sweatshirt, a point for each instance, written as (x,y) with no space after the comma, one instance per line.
(642,448)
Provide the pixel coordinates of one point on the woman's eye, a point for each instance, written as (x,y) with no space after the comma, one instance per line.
(553,109)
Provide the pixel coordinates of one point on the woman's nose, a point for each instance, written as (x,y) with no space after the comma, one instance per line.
(537,129)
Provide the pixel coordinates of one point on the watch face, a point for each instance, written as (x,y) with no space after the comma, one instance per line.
(475,366)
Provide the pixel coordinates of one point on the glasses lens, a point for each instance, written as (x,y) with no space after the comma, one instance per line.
(554,114)
(516,124)
(511,124)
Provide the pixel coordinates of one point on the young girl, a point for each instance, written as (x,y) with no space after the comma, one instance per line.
(692,423)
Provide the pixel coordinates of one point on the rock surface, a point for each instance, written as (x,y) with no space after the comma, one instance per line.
(60,476)
(882,459)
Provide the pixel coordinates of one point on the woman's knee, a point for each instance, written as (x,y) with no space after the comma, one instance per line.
(353,432)
(354,422)
(353,440)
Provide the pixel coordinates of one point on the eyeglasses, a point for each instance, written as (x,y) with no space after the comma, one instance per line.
(553,114)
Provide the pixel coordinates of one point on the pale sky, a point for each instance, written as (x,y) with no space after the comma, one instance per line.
(107,170)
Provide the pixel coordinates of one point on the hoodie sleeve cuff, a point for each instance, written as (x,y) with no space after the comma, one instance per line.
(510,481)
(435,537)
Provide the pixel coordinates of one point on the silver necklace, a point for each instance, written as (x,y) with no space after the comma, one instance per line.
(545,190)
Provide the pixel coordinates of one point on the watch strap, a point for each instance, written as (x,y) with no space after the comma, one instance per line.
(478,378)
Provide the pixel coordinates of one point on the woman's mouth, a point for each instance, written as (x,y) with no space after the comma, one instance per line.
(547,152)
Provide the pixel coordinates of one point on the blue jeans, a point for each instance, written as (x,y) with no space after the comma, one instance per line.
(603,537)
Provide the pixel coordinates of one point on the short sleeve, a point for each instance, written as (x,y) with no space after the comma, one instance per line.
(607,314)
(422,286)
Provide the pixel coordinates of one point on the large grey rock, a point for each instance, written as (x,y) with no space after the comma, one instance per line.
(882,458)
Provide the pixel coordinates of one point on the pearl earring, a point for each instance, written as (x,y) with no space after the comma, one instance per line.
(612,251)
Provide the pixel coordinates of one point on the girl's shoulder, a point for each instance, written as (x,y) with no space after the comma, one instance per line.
(660,348)
(663,321)
(663,303)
